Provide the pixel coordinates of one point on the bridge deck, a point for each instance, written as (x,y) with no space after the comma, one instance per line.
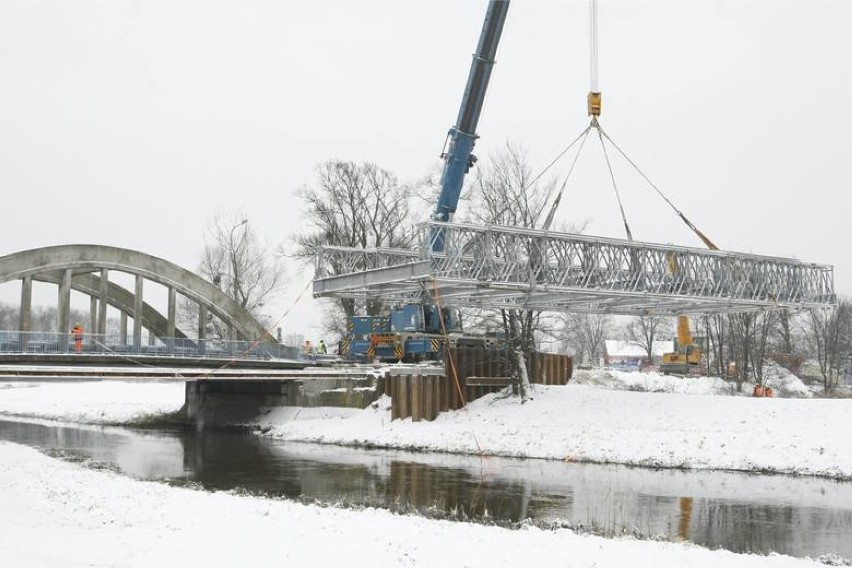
(507,267)
(27,364)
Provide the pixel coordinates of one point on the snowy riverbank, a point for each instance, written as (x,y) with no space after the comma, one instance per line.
(91,402)
(577,422)
(583,423)
(61,514)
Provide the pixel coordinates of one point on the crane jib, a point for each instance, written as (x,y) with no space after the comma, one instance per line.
(459,155)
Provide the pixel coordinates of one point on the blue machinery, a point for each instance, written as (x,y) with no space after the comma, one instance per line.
(415,331)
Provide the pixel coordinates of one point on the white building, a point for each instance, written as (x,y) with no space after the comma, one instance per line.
(621,353)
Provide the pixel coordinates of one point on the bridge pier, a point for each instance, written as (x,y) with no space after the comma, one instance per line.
(93,314)
(103,294)
(226,402)
(122,328)
(64,323)
(25,323)
(202,327)
(172,311)
(137,314)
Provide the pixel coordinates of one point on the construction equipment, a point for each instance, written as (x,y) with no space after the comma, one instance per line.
(409,333)
(418,331)
(458,155)
(504,268)
(686,357)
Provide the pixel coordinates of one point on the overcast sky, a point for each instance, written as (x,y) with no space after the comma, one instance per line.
(130,123)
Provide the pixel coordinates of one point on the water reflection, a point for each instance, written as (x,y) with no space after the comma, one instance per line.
(739,512)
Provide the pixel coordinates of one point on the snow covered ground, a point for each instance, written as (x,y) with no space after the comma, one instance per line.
(91,402)
(61,514)
(97,518)
(583,423)
(578,422)
(784,383)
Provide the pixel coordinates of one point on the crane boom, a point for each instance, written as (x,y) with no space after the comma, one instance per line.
(458,157)
(416,331)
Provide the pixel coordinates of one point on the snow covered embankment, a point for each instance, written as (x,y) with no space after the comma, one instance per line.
(783,382)
(581,423)
(94,518)
(100,402)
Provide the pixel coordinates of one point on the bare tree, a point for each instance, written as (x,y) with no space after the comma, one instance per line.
(42,318)
(741,327)
(353,205)
(738,346)
(644,331)
(829,337)
(785,334)
(764,323)
(240,264)
(586,333)
(717,332)
(504,192)
(749,335)
(9,317)
(786,345)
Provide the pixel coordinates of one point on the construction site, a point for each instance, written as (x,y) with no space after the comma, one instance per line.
(481,362)
(516,271)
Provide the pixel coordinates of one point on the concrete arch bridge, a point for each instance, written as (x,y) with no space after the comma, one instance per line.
(86,269)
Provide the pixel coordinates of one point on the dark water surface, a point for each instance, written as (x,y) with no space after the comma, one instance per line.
(739,512)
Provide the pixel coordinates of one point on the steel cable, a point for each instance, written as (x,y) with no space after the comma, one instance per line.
(679,213)
(552,212)
(614,185)
(539,175)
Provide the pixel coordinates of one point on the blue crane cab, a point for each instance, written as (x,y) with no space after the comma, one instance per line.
(411,333)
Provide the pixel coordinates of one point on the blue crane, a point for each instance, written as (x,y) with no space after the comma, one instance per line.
(458,156)
(417,331)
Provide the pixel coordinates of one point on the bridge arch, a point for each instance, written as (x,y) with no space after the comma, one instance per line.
(118,297)
(85,268)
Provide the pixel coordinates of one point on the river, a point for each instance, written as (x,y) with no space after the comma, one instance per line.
(799,516)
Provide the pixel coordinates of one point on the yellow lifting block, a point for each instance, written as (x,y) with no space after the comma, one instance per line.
(594,104)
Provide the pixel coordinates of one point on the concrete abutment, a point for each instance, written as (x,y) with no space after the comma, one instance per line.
(227,402)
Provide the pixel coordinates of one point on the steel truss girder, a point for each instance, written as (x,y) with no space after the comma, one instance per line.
(509,267)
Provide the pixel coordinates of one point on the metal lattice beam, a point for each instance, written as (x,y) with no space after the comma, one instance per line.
(508,267)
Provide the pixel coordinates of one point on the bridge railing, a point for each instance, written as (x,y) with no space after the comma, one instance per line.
(55,343)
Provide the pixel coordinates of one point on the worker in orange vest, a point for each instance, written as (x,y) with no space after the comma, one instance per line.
(77,334)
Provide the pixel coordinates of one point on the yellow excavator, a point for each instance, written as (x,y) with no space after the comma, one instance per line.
(687,354)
